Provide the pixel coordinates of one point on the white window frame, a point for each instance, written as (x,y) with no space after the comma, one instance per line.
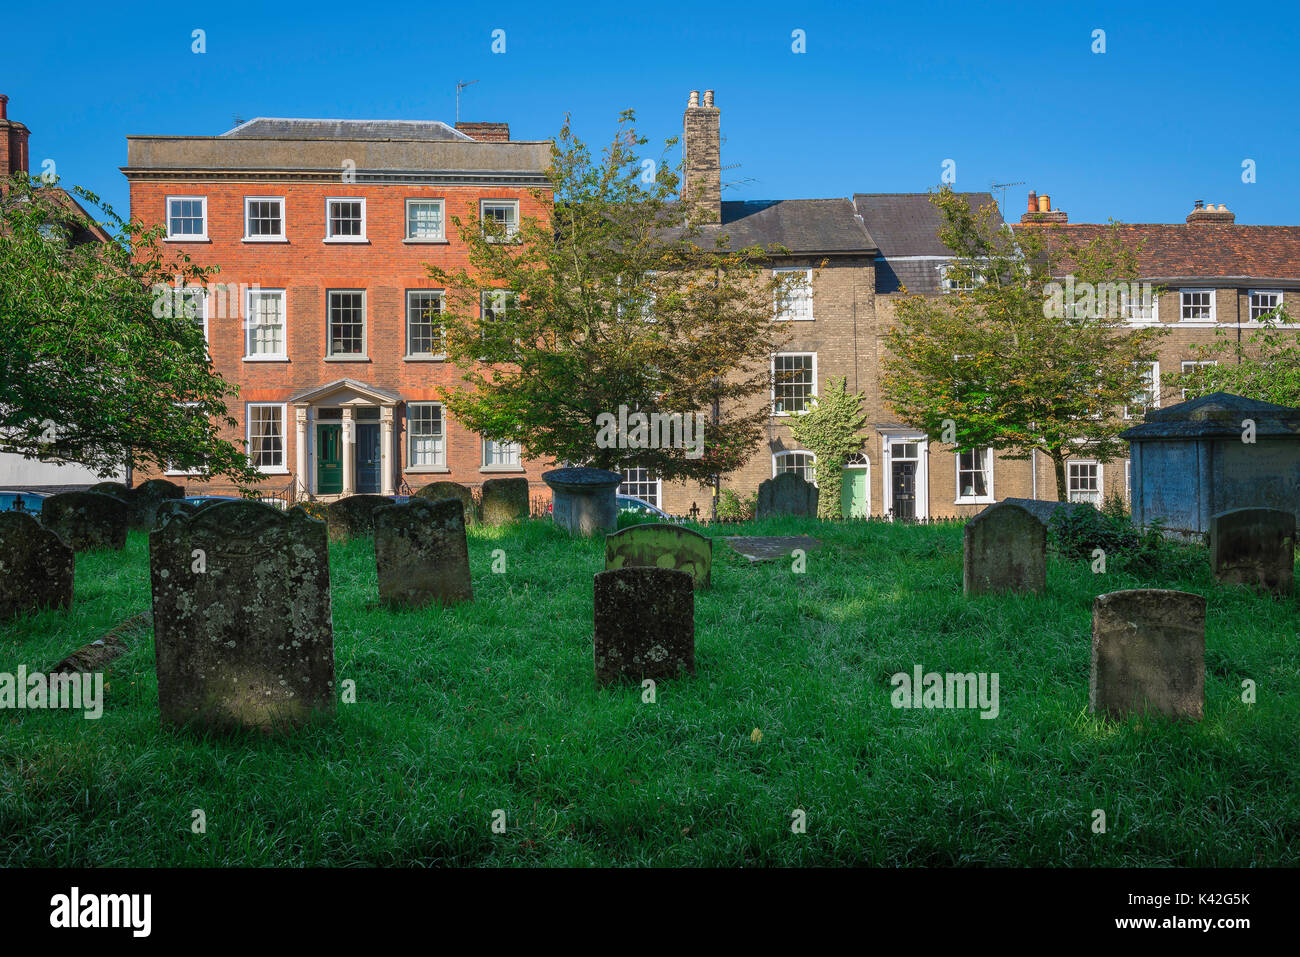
(1186,364)
(283,354)
(1130,309)
(1153,374)
(658,483)
(171,469)
(776,456)
(281,237)
(201,296)
(1250,302)
(986,499)
(283,468)
(949,286)
(186,237)
(781,315)
(441,295)
(772,391)
(512,232)
(1101,481)
(518,466)
(1182,306)
(440,463)
(330,237)
(364,354)
(406,220)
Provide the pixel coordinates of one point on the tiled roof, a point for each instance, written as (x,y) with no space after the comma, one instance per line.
(907,224)
(275,128)
(1218,414)
(1197,250)
(800,225)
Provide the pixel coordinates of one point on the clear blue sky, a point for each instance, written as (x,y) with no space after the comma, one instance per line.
(884,94)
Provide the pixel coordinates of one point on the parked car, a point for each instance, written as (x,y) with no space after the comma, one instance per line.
(29,502)
(204,499)
(630,503)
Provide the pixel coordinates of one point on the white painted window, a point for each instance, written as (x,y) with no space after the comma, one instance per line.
(265,324)
(176,468)
(424,332)
(426,445)
(193,305)
(187,217)
(1149,397)
(794,381)
(975,476)
(640,483)
(797,302)
(1140,310)
(1189,364)
(1264,302)
(500,454)
(345,220)
(266,436)
(263,219)
(952,283)
(425,221)
(346,315)
(496,303)
(504,213)
(803,464)
(1196,305)
(1084,480)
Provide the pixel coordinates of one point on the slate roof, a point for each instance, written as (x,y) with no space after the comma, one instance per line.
(800,225)
(1197,251)
(1216,415)
(906,225)
(277,128)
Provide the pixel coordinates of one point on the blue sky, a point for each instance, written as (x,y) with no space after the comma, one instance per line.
(884,94)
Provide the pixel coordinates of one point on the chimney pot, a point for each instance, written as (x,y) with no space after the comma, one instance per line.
(1199,204)
(1033,201)
(708,98)
(4,107)
(694,98)
(702,179)
(1044,203)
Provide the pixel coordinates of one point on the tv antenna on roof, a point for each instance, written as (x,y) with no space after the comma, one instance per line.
(1002,203)
(460,85)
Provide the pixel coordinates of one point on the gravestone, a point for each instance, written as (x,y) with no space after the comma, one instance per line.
(1254,546)
(421,555)
(645,624)
(1041,509)
(1005,551)
(661,546)
(787,494)
(242,625)
(149,496)
(353,516)
(584,501)
(770,548)
(1148,653)
(173,507)
(88,520)
(35,567)
(440,490)
(505,500)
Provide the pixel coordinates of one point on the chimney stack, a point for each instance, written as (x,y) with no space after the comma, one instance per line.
(1207,214)
(486,132)
(1040,211)
(701,143)
(13,144)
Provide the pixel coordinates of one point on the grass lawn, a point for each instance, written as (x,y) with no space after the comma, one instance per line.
(493,705)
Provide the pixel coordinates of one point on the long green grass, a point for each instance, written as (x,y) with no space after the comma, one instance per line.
(493,705)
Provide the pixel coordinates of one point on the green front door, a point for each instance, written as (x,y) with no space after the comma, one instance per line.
(853,493)
(329,459)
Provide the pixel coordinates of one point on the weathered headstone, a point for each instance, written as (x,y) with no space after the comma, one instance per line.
(35,567)
(353,516)
(584,501)
(661,546)
(440,490)
(421,555)
(1254,546)
(242,625)
(770,548)
(645,624)
(88,520)
(174,507)
(505,500)
(1148,653)
(787,494)
(1005,551)
(148,496)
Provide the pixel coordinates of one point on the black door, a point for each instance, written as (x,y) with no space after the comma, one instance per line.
(904,491)
(368,458)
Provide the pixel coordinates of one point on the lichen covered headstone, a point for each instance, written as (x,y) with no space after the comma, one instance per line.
(645,624)
(242,624)
(1005,551)
(353,516)
(436,491)
(787,494)
(1254,546)
(149,496)
(88,520)
(421,554)
(35,567)
(1148,654)
(661,546)
(505,500)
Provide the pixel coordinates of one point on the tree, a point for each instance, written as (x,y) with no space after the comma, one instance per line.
(611,305)
(1016,360)
(831,430)
(101,365)
(1268,368)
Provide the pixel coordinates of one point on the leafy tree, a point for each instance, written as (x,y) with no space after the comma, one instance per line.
(99,366)
(614,297)
(1006,362)
(831,429)
(1267,368)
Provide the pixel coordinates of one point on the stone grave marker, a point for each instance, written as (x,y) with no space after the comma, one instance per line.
(149,496)
(35,567)
(440,490)
(1148,653)
(584,501)
(421,554)
(243,632)
(169,508)
(88,520)
(1005,551)
(661,546)
(787,494)
(353,516)
(770,548)
(505,500)
(645,624)
(1254,546)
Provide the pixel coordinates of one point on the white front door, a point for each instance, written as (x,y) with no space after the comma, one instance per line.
(907,478)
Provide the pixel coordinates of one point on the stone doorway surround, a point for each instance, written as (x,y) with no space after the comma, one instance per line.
(349,396)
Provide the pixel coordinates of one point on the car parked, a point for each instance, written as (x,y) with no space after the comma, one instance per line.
(630,503)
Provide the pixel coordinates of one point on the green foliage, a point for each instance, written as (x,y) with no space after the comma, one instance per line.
(732,508)
(97,367)
(1265,367)
(832,430)
(1076,533)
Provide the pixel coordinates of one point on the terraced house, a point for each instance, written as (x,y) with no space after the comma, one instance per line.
(323,312)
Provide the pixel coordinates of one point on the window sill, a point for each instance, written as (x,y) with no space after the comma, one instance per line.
(345,358)
(794,318)
(426,470)
(982,500)
(427,242)
(266,358)
(437,358)
(503,469)
(187,239)
(259,239)
(273,471)
(346,240)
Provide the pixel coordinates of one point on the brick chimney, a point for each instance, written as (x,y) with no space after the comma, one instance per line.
(702,181)
(1040,211)
(486,132)
(1210,215)
(13,142)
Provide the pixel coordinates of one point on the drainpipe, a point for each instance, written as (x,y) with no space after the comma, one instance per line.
(1033,470)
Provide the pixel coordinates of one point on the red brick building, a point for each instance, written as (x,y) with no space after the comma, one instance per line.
(323,312)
